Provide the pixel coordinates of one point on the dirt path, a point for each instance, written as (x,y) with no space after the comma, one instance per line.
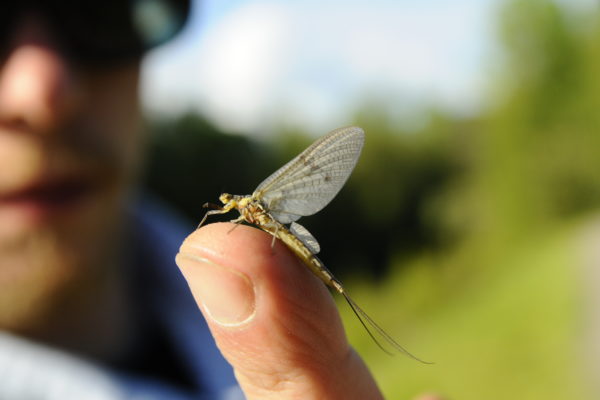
(590,297)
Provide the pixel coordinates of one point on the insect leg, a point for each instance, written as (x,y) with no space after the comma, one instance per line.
(274,236)
(236,221)
(273,229)
(211,212)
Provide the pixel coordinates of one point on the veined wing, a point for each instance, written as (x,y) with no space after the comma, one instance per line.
(311,180)
(305,237)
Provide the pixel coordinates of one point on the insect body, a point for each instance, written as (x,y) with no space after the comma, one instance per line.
(303,187)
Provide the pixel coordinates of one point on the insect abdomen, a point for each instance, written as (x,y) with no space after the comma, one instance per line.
(307,257)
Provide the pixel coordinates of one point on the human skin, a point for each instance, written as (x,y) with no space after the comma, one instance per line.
(273,320)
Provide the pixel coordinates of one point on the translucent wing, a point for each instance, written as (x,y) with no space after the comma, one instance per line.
(311,180)
(305,237)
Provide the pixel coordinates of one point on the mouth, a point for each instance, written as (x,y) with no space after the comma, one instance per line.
(43,199)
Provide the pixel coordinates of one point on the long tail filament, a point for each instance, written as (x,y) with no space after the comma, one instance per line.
(363,316)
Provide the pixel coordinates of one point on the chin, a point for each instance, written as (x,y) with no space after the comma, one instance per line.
(47,263)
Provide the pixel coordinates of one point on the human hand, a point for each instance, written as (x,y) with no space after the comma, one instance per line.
(273,320)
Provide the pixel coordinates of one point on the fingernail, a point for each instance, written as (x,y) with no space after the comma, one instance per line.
(226,295)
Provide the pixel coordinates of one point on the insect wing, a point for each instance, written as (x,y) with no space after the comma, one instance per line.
(305,237)
(311,180)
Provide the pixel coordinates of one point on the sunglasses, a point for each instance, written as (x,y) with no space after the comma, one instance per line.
(100,32)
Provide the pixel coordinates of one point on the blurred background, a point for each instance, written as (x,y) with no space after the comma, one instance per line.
(470,227)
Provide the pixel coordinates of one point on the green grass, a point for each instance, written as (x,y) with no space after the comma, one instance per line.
(509,331)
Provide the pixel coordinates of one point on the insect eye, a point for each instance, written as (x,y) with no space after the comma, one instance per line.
(225,198)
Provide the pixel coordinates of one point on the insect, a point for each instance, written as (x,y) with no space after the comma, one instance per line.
(303,187)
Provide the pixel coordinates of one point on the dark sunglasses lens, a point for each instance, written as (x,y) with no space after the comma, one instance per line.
(108,31)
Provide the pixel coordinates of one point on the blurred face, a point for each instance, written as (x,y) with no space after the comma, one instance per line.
(69,147)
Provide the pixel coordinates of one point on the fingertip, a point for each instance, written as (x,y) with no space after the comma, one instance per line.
(267,262)
(289,301)
(243,248)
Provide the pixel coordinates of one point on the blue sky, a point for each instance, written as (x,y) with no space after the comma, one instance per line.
(255,65)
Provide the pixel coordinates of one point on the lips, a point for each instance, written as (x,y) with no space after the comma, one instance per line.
(50,196)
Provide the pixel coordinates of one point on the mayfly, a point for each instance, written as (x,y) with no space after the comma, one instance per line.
(303,187)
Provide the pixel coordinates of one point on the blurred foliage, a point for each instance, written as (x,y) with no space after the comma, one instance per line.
(539,162)
(470,219)
(192,162)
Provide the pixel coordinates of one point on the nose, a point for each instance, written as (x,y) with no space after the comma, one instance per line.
(37,89)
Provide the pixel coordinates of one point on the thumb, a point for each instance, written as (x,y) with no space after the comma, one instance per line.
(271,318)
